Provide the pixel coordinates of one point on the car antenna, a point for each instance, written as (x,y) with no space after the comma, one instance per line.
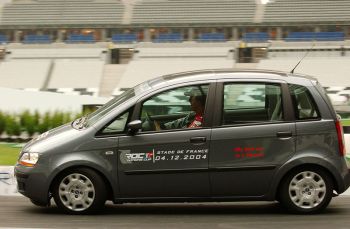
(303,58)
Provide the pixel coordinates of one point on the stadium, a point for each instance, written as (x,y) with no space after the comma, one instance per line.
(100,48)
(70,55)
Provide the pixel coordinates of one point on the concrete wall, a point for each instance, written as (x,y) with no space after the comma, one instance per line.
(13,100)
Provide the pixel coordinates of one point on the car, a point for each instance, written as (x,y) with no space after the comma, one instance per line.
(191,137)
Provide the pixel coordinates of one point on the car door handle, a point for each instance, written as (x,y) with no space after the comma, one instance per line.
(287,134)
(198,140)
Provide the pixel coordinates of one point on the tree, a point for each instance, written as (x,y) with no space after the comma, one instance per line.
(2,122)
(45,123)
(12,126)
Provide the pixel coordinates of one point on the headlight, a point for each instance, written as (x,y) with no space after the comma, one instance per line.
(29,159)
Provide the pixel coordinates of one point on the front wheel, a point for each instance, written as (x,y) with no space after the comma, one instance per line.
(307,190)
(80,191)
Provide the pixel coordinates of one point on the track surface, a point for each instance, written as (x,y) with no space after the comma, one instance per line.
(18,212)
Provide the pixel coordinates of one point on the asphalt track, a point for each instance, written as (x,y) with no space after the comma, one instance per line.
(18,212)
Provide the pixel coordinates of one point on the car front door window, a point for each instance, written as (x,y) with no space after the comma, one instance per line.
(175,109)
(117,125)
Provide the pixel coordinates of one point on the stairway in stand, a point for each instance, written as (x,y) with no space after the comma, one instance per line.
(112,74)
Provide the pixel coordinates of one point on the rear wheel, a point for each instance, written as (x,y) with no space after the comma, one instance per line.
(307,190)
(80,191)
(39,203)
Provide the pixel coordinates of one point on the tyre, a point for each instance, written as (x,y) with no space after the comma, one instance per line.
(306,191)
(39,204)
(80,191)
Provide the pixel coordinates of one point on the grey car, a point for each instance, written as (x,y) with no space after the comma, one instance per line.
(262,135)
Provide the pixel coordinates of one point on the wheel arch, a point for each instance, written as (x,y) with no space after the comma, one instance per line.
(288,168)
(111,189)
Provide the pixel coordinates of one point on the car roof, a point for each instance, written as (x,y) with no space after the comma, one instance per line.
(233,73)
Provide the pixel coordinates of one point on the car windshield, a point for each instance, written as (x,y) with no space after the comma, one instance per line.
(113,103)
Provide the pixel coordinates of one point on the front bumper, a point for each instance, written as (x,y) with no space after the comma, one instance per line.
(32,183)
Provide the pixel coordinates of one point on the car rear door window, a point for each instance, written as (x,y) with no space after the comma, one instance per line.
(304,105)
(252,103)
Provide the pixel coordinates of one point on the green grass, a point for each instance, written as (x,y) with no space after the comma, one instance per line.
(345,122)
(8,154)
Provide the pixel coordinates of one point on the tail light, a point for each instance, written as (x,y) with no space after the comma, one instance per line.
(340,138)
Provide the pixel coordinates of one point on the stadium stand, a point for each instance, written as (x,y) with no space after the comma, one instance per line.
(24,73)
(156,59)
(156,67)
(80,38)
(207,50)
(71,73)
(124,38)
(315,36)
(3,39)
(181,35)
(301,11)
(169,37)
(170,12)
(212,37)
(62,12)
(37,39)
(112,74)
(255,37)
(55,52)
(62,69)
(205,20)
(329,71)
(44,101)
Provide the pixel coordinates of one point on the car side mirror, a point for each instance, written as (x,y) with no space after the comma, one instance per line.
(134,126)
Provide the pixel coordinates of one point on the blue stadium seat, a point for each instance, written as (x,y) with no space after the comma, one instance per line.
(37,39)
(169,37)
(315,36)
(330,36)
(124,38)
(212,37)
(80,38)
(256,37)
(300,36)
(3,39)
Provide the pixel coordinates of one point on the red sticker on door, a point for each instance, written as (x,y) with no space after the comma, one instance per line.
(249,152)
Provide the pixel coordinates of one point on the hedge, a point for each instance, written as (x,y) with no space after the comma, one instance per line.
(14,124)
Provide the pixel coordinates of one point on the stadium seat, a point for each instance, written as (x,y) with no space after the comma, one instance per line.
(80,38)
(124,38)
(330,36)
(3,39)
(169,37)
(315,36)
(37,39)
(212,37)
(255,37)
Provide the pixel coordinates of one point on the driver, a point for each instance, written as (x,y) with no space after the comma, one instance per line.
(197,99)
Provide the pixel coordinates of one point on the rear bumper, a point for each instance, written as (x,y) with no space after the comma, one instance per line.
(344,184)
(347,181)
